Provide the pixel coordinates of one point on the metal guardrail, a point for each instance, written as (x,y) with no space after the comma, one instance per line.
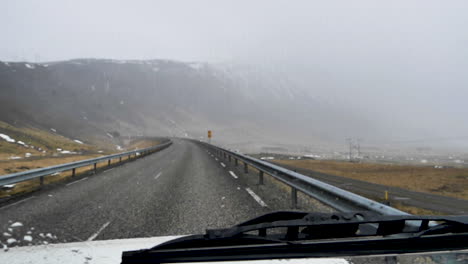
(40,173)
(335,197)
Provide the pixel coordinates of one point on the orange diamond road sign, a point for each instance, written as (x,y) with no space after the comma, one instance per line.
(209,133)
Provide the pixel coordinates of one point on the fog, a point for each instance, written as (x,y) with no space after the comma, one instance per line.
(402,65)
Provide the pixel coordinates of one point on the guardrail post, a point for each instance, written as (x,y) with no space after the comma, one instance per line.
(95,168)
(236,162)
(246,168)
(229,158)
(108,162)
(129,156)
(120,159)
(41,180)
(294,197)
(260,177)
(73,172)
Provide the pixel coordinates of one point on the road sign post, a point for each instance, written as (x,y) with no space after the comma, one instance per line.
(209,136)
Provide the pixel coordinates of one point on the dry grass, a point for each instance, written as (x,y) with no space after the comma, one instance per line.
(451,182)
(39,139)
(414,210)
(142,143)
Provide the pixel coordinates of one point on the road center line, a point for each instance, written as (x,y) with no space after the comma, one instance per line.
(233,174)
(91,238)
(224,165)
(256,197)
(157,176)
(24,200)
(77,181)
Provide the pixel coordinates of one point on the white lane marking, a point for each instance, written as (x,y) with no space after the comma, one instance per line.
(256,197)
(77,181)
(233,174)
(157,176)
(24,200)
(224,165)
(91,238)
(108,170)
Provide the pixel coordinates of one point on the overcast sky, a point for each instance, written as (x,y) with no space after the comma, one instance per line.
(404,61)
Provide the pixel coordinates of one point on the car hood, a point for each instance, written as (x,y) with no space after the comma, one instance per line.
(108,251)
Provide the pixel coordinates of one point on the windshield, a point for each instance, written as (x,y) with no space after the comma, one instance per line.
(140,119)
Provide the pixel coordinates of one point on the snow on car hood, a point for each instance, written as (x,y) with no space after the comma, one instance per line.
(110,251)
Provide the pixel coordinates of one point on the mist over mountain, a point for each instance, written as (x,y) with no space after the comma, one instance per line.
(90,98)
(247,107)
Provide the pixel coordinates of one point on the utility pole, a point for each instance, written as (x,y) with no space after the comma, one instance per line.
(350,142)
(354,146)
(358,145)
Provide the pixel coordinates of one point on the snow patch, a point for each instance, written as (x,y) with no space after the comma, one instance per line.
(313,156)
(21,143)
(196,65)
(267,158)
(11,241)
(9,186)
(29,66)
(423,161)
(28,238)
(118,147)
(53,130)
(14,157)
(110,135)
(27,155)
(16,224)
(7,138)
(67,152)
(78,141)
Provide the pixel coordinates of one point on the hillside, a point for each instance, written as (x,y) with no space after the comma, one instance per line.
(92,100)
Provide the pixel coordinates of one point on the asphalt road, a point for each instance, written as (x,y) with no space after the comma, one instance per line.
(183,189)
(438,203)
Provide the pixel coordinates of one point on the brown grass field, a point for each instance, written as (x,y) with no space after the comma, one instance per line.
(451,182)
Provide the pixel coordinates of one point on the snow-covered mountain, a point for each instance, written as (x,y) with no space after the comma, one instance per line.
(94,97)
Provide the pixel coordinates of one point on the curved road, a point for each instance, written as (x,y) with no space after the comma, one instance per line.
(183,189)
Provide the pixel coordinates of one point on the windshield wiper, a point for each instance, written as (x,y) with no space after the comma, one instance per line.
(302,234)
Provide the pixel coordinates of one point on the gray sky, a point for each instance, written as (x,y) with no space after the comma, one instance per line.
(404,62)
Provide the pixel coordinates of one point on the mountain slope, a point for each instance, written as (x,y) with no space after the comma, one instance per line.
(89,99)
